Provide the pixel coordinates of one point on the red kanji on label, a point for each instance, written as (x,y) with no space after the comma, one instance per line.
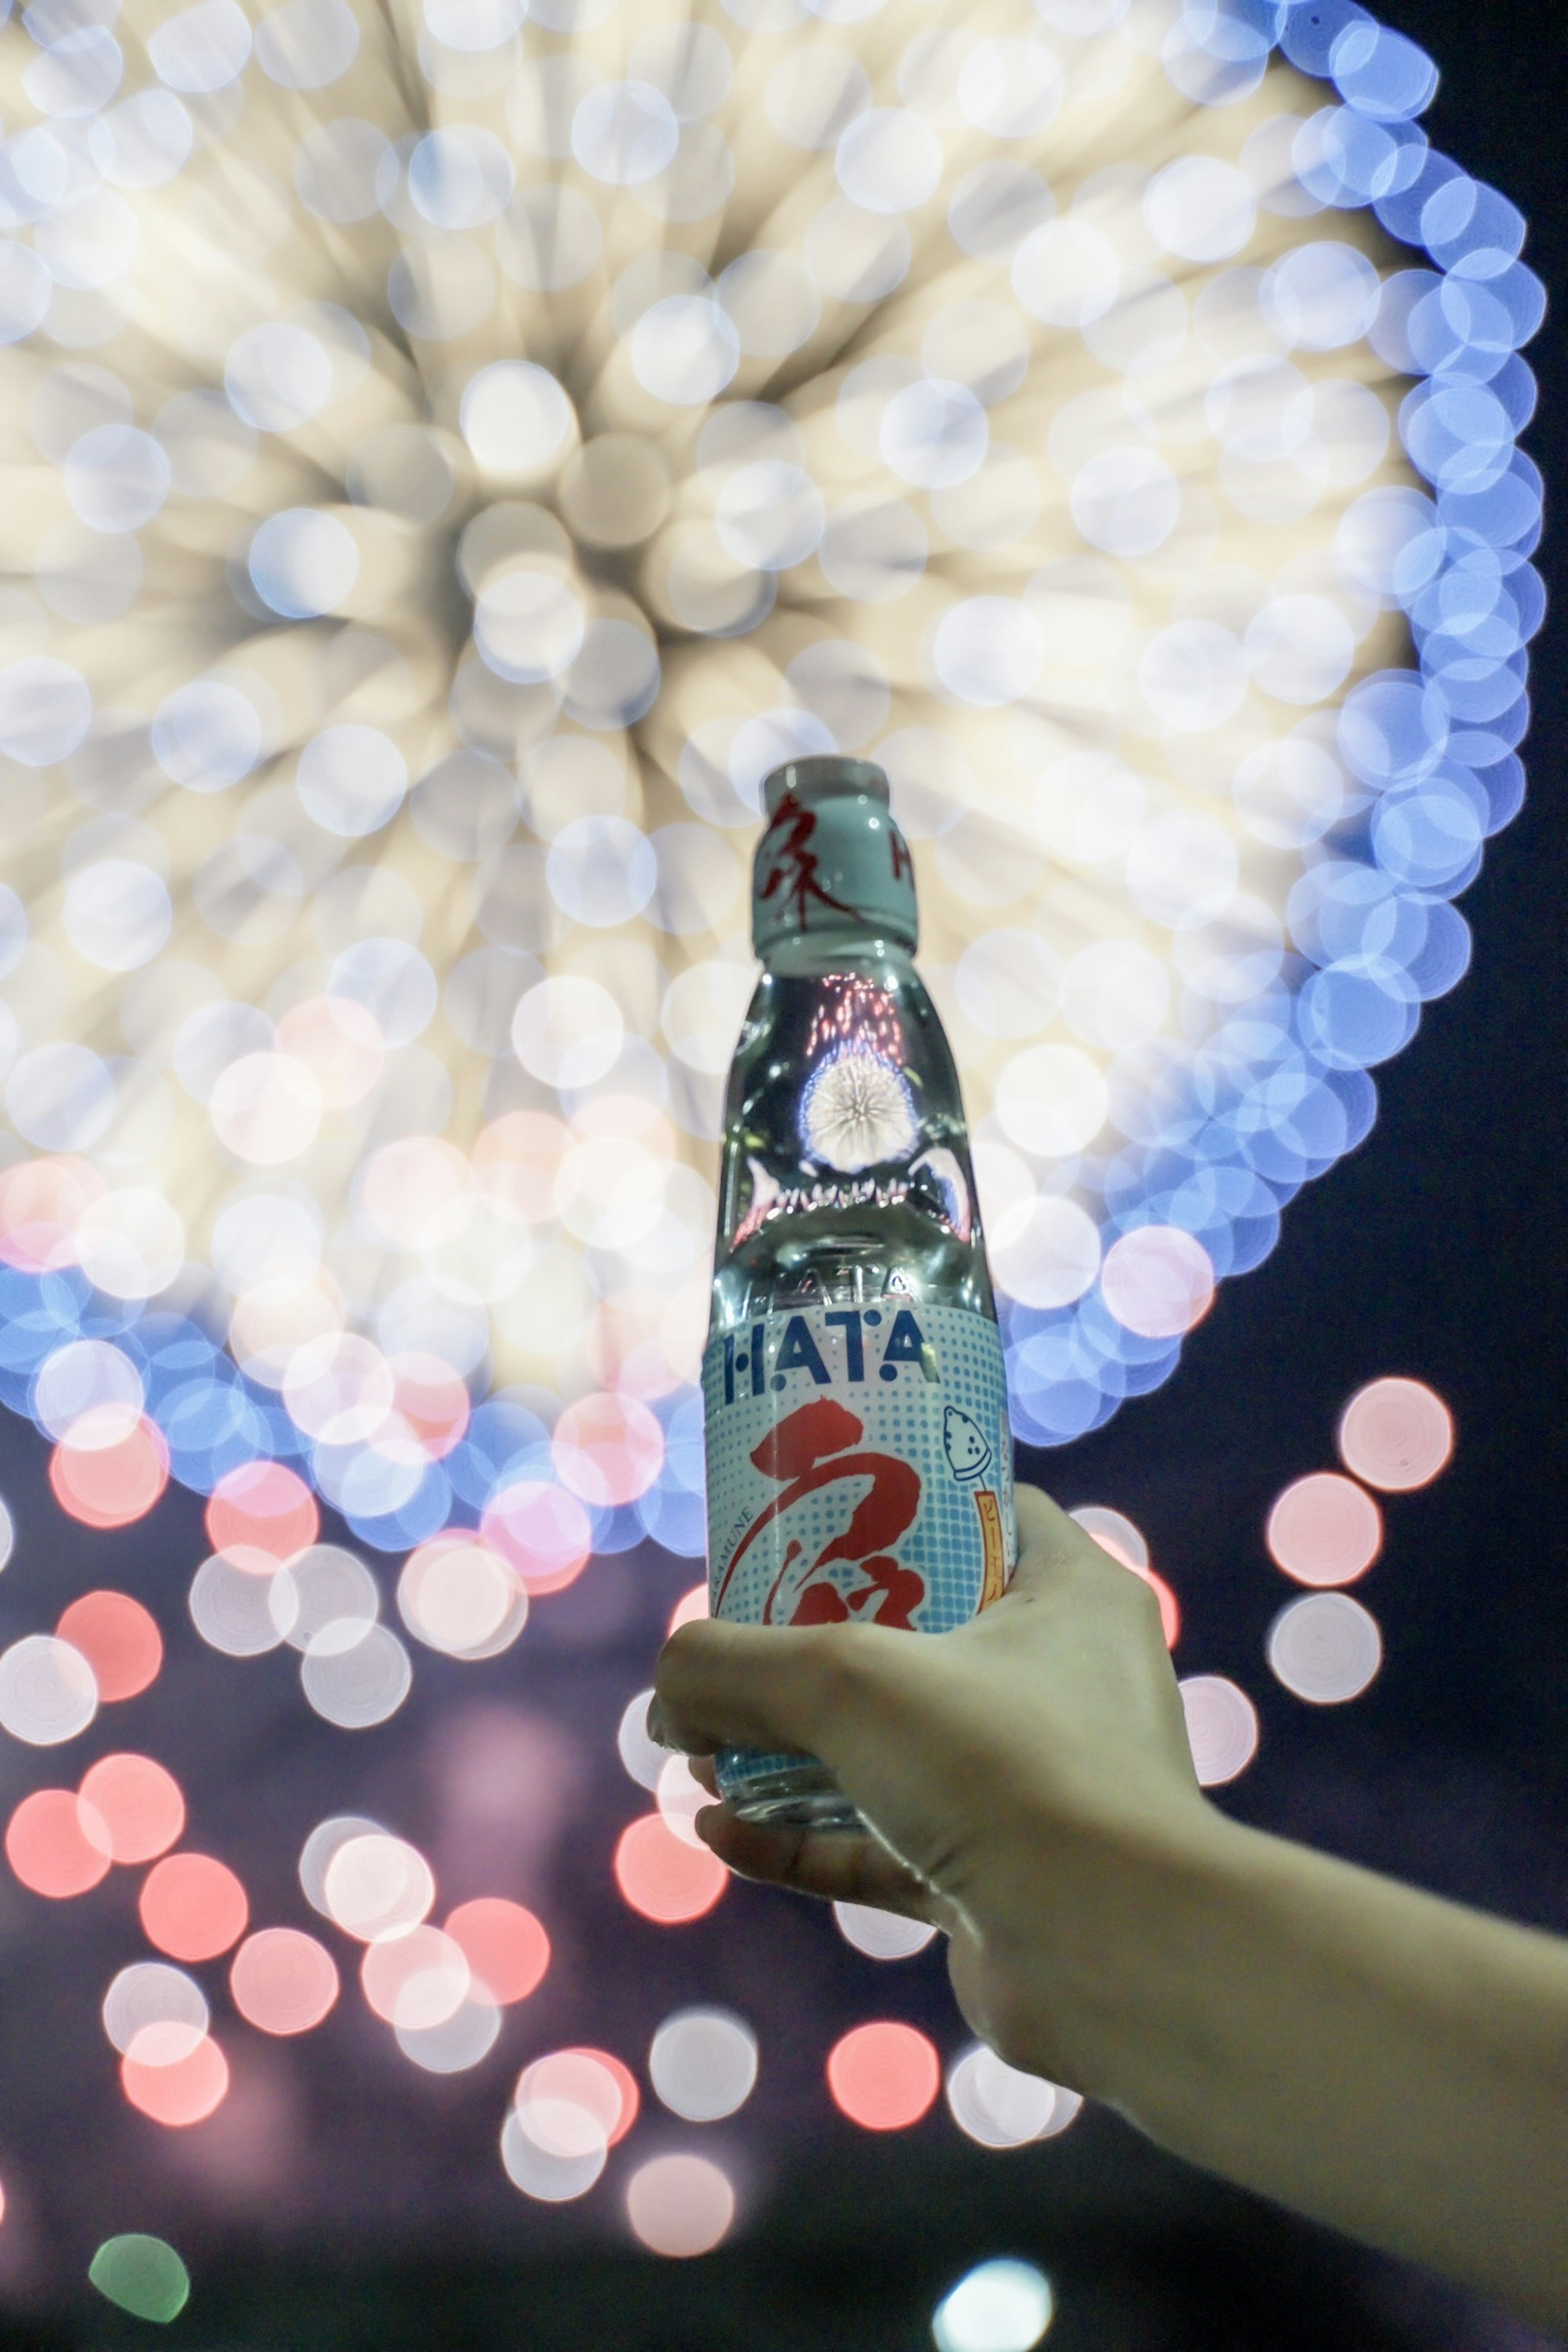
(808,1452)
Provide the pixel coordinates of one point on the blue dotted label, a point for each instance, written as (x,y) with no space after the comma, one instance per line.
(859,1468)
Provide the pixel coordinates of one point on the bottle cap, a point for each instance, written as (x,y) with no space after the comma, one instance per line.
(832,861)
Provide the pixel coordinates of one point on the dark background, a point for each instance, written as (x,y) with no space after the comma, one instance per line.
(1435,1250)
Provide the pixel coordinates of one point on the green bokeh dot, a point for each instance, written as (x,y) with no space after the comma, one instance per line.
(142,2275)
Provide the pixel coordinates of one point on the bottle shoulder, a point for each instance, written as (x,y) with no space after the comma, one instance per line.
(847,1174)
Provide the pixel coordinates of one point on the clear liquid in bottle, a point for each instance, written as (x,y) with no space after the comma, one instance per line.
(860,1458)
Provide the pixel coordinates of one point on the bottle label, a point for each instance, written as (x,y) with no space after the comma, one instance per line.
(859,1468)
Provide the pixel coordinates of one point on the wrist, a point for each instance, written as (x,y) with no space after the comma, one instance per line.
(1110,1957)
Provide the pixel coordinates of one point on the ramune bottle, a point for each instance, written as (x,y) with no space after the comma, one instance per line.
(860,1458)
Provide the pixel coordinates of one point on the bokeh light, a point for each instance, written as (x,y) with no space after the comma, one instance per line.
(57,1846)
(452,2045)
(175,2091)
(1325,1648)
(460,1596)
(192,1906)
(120,1640)
(1222,1727)
(679,2204)
(368,1883)
(384,743)
(689,1610)
(881,1935)
(703,2064)
(282,1980)
(506,1947)
(569,2109)
(999,2306)
(552,2174)
(139,1804)
(1000,2106)
(1178,510)
(417,1979)
(883,2076)
(1325,1529)
(1397,1434)
(154,2013)
(263,1508)
(47,1691)
(642,1756)
(142,2274)
(664,1876)
(110,1480)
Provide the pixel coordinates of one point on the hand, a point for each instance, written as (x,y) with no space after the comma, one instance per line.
(1020,1777)
(1314,2033)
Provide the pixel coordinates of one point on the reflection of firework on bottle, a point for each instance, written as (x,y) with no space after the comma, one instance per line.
(766,1191)
(857,1111)
(855,1011)
(945,1170)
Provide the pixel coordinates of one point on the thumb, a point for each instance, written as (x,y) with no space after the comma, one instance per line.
(723,1686)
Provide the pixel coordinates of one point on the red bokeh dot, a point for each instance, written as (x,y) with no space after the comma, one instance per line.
(504,1944)
(193,1907)
(662,1876)
(140,1805)
(1325,1529)
(884,2077)
(56,1844)
(625,2083)
(110,1485)
(690,1609)
(185,2092)
(542,1532)
(42,1203)
(608,1449)
(1158,1281)
(119,1639)
(283,1981)
(1170,1609)
(601,2085)
(1397,1434)
(432,1399)
(262,1507)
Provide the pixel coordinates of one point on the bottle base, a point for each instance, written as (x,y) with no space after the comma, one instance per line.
(797,1795)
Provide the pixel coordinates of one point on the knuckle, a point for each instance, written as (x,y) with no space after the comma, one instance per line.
(846,1653)
(847,1663)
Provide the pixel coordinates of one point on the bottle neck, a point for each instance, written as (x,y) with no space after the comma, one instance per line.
(809,954)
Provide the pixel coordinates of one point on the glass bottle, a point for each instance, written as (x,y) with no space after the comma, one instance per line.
(860,1458)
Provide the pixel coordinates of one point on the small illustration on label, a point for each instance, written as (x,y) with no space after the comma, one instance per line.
(964,1444)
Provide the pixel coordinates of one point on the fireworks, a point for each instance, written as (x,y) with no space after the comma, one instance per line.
(461,454)
(857,1111)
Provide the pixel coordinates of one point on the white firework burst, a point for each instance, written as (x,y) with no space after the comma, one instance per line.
(858,1112)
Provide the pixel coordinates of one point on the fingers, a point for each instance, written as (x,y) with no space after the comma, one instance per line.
(833,1866)
(721,1685)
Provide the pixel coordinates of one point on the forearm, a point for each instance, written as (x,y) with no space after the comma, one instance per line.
(1388,2062)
